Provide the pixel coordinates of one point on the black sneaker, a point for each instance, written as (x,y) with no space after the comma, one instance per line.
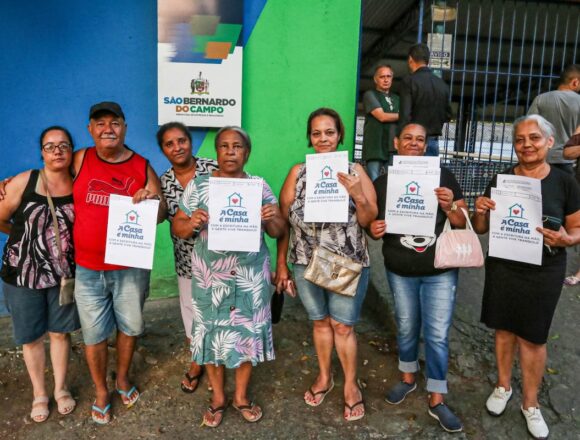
(398,393)
(448,421)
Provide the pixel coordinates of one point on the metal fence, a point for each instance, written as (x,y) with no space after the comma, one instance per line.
(496,56)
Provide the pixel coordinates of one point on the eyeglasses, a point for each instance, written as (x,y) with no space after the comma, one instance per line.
(63,147)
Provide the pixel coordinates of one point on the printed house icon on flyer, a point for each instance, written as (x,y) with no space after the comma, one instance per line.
(326,172)
(132,217)
(235,199)
(516,210)
(412,188)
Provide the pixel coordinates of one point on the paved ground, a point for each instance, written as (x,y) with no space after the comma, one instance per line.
(165,412)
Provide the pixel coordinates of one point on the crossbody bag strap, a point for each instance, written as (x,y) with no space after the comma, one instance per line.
(54,220)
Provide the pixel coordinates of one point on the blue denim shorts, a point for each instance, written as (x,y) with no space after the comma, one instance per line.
(320,303)
(109,298)
(37,311)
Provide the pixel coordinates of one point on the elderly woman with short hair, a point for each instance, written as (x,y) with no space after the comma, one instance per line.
(231,291)
(519,299)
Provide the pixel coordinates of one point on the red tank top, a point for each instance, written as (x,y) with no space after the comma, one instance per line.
(95,181)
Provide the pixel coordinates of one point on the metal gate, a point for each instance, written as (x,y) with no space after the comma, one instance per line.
(496,56)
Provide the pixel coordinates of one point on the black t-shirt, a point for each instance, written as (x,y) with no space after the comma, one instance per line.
(413,255)
(560,198)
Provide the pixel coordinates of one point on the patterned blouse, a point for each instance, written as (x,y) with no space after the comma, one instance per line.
(172,191)
(347,239)
(31,258)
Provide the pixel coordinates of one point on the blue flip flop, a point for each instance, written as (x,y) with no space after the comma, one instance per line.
(103,411)
(131,396)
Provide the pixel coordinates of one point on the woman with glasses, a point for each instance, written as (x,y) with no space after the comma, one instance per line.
(231,291)
(519,299)
(33,267)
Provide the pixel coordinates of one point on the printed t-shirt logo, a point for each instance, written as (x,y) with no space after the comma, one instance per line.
(98,191)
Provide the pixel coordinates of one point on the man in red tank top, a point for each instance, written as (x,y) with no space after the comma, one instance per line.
(108,296)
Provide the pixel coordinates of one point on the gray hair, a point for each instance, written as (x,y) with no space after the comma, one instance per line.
(543,124)
(245,137)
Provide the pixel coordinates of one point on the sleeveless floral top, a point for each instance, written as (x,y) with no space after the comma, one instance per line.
(347,239)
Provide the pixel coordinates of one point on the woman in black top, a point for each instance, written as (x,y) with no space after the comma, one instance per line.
(33,267)
(519,299)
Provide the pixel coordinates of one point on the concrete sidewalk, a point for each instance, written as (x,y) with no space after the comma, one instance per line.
(165,412)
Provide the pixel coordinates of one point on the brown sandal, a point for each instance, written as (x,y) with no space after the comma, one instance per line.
(251,412)
(213,412)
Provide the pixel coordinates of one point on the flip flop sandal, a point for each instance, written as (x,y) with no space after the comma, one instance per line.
(571,280)
(251,412)
(65,402)
(105,415)
(350,417)
(213,412)
(40,410)
(190,379)
(322,392)
(129,397)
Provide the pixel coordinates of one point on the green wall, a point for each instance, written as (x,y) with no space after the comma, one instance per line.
(302,54)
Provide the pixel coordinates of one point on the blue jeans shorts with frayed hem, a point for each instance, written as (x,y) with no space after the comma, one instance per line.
(37,311)
(111,298)
(320,303)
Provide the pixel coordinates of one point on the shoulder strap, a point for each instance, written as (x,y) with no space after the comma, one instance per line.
(53,212)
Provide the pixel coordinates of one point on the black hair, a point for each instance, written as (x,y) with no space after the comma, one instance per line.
(420,53)
(57,128)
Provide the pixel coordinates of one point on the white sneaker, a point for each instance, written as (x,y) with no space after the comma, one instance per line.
(497,401)
(536,425)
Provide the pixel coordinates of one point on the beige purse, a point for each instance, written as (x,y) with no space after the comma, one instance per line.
(333,272)
(67,285)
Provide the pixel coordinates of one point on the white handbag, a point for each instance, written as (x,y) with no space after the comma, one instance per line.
(458,247)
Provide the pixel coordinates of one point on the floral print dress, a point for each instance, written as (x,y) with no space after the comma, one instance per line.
(231,293)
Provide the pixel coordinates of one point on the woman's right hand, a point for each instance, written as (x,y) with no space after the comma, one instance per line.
(483,205)
(198,219)
(283,280)
(378,228)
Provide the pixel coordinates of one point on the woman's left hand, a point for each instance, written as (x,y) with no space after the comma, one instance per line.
(559,238)
(270,212)
(352,183)
(445,198)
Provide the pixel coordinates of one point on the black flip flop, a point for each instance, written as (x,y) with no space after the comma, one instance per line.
(191,379)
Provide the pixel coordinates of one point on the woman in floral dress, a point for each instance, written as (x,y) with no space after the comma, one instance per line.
(230,290)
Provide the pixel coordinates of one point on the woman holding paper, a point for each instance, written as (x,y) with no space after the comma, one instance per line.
(519,299)
(424,295)
(33,267)
(334,315)
(230,290)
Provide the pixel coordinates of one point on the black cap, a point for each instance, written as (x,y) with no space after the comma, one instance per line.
(107,106)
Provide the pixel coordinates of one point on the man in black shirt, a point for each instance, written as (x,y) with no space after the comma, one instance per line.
(424,98)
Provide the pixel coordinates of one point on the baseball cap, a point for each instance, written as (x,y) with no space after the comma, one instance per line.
(106,106)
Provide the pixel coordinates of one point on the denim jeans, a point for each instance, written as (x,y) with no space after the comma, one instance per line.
(424,302)
(374,168)
(432,146)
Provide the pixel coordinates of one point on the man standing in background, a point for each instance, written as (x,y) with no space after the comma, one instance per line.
(561,107)
(381,114)
(424,98)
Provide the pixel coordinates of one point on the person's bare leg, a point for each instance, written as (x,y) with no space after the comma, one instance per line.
(532,362)
(346,348)
(59,356)
(323,337)
(505,349)
(218,399)
(97,356)
(35,361)
(125,348)
(241,399)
